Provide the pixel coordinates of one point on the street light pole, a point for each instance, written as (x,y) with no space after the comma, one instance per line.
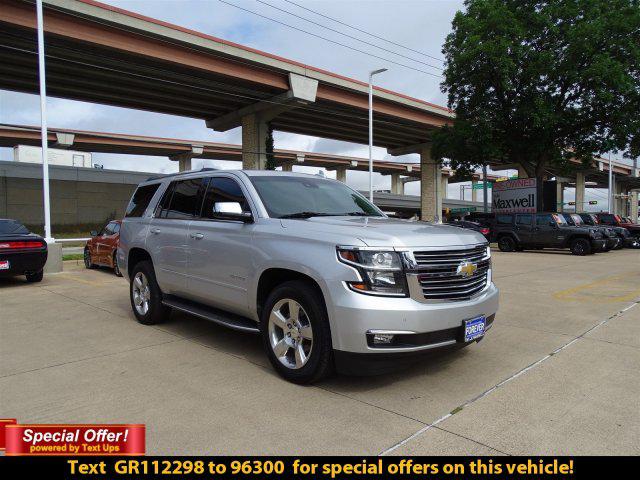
(43,124)
(611,209)
(371,74)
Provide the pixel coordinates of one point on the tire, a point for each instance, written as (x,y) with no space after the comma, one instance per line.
(293,335)
(88,263)
(146,296)
(507,243)
(116,268)
(35,277)
(580,246)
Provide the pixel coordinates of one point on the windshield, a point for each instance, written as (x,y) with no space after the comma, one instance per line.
(8,227)
(577,219)
(304,197)
(568,219)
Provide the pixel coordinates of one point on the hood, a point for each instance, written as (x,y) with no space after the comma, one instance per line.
(387,232)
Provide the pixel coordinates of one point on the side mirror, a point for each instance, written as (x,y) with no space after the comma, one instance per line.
(231,211)
(93,233)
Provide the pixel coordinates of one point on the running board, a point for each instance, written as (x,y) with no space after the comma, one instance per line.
(229,320)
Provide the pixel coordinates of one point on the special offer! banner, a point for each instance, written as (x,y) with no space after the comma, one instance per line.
(74,440)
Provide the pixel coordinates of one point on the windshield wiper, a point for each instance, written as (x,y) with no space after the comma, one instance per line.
(360,214)
(306,215)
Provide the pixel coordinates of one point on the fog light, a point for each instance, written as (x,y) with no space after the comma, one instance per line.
(382,338)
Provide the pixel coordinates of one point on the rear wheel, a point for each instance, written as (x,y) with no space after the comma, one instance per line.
(146,296)
(35,277)
(580,246)
(506,243)
(296,334)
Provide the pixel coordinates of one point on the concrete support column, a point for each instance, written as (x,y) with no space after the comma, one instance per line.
(634,205)
(397,186)
(522,173)
(184,159)
(341,174)
(444,191)
(560,196)
(430,187)
(184,164)
(619,202)
(54,258)
(474,192)
(580,188)
(287,167)
(254,137)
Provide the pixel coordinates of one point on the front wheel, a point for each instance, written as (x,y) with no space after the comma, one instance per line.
(146,297)
(88,263)
(116,268)
(580,246)
(506,244)
(296,334)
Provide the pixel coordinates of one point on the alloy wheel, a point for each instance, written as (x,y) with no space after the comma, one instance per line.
(290,333)
(141,293)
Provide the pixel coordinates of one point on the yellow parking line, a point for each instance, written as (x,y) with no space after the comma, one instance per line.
(567,295)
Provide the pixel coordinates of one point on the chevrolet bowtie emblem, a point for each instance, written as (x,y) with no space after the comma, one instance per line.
(467,269)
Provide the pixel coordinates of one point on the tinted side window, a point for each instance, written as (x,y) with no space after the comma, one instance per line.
(221,191)
(607,218)
(163,205)
(504,219)
(523,219)
(184,200)
(544,220)
(140,200)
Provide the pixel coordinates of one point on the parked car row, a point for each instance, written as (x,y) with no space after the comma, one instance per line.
(581,233)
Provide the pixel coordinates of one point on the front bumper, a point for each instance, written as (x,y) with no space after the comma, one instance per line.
(353,315)
(632,242)
(598,245)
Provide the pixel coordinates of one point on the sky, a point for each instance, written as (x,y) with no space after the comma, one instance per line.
(419,25)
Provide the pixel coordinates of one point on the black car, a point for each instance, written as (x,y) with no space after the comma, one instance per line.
(484,230)
(21,252)
(613,242)
(626,239)
(520,231)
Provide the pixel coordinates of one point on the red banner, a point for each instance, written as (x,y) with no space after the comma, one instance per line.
(75,440)
(3,423)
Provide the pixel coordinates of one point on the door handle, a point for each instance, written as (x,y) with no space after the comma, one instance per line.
(197,236)
(155,231)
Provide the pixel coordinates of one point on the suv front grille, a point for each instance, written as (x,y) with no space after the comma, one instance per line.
(438,273)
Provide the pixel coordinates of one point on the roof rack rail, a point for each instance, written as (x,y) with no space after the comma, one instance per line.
(165,175)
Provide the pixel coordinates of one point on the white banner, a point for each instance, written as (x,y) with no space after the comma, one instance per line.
(515,196)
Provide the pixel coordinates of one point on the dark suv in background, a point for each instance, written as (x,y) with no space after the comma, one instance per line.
(626,240)
(612,240)
(617,221)
(520,231)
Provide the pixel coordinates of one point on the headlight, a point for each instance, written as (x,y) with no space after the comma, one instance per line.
(381,271)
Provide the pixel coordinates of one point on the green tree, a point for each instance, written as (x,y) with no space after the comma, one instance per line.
(537,82)
(270,164)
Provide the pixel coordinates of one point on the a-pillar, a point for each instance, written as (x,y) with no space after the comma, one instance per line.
(430,187)
(341,174)
(254,138)
(634,205)
(560,196)
(397,186)
(580,187)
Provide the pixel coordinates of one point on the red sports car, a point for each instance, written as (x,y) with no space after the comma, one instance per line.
(101,249)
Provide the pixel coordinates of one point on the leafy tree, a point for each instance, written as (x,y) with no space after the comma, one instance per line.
(537,82)
(270,163)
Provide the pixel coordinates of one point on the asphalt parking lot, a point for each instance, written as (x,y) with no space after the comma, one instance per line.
(557,374)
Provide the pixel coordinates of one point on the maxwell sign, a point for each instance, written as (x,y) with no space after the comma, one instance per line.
(515,196)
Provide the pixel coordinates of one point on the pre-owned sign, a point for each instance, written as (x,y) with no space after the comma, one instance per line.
(515,196)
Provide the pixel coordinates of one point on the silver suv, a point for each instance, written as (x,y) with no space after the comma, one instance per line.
(325,277)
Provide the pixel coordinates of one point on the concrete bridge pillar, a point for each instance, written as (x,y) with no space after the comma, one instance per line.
(430,187)
(444,192)
(580,190)
(474,192)
(341,174)
(287,167)
(560,196)
(254,138)
(634,205)
(397,186)
(184,159)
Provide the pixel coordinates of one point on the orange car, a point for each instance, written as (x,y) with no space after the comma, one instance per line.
(101,249)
